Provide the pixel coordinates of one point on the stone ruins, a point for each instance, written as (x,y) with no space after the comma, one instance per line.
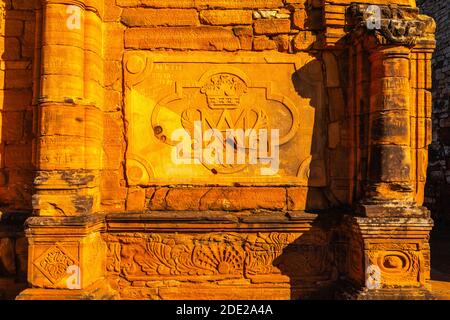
(94,207)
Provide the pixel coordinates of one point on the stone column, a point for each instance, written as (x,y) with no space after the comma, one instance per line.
(389,167)
(388,235)
(66,250)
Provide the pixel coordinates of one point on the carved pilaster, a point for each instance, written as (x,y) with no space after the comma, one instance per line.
(69,135)
(389,37)
(388,246)
(67,259)
(67,255)
(388,258)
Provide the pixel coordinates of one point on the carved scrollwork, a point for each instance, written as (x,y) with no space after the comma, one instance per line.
(223,255)
(397,267)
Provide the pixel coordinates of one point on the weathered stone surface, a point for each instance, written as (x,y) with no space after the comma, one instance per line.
(143,17)
(304,40)
(245,35)
(210,77)
(228,4)
(437,187)
(272,26)
(283,42)
(200,38)
(261,43)
(226,17)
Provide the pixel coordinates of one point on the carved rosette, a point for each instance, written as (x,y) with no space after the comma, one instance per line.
(398,267)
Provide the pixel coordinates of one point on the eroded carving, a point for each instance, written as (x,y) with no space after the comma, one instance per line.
(159,256)
(398,25)
(53,263)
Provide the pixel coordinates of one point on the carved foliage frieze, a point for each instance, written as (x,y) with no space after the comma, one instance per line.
(218,256)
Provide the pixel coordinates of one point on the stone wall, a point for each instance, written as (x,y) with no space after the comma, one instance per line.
(17,52)
(438,186)
(17,31)
(214,26)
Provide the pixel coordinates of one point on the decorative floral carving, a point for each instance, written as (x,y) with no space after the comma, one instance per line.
(193,256)
(144,256)
(113,257)
(53,263)
(262,249)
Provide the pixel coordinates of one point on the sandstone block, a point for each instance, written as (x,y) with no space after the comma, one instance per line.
(10,48)
(111,187)
(297,198)
(283,42)
(390,163)
(185,198)
(299,18)
(135,199)
(304,40)
(226,17)
(226,4)
(13,125)
(199,38)
(332,70)
(145,17)
(245,35)
(157,199)
(272,26)
(234,199)
(263,43)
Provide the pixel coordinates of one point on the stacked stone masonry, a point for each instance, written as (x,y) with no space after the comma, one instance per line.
(93,90)
(438,187)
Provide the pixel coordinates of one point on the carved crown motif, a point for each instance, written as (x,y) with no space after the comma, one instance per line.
(224,91)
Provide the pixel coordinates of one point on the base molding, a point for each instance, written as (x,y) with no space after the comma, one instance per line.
(388,255)
(349,292)
(99,290)
(217,255)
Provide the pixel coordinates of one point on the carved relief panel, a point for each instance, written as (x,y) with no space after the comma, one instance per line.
(281,257)
(251,118)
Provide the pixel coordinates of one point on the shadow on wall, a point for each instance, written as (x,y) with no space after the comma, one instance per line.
(321,258)
(315,260)
(17,39)
(437,189)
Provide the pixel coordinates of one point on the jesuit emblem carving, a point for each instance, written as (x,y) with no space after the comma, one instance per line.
(225,113)
(251,103)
